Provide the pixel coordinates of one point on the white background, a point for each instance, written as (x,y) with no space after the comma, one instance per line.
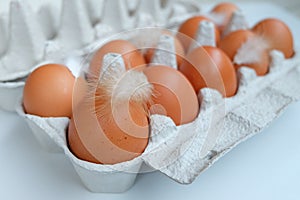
(265,167)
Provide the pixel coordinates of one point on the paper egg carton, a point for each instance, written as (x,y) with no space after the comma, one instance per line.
(183,152)
(28,38)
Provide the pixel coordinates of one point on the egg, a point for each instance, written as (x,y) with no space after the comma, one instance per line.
(131,55)
(210,67)
(252,49)
(173,94)
(110,124)
(76,145)
(232,42)
(188,31)
(225,10)
(179,50)
(48,91)
(278,34)
(81,87)
(102,138)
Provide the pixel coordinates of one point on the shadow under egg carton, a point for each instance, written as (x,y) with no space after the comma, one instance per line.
(184,152)
(28,38)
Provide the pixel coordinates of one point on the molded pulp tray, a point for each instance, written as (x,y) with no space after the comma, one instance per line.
(182,153)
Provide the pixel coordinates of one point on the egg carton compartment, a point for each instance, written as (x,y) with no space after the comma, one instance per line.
(28,38)
(184,152)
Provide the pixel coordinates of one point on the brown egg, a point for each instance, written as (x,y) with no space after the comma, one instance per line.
(48,91)
(104,138)
(225,10)
(109,126)
(210,67)
(179,50)
(278,34)
(173,95)
(76,145)
(131,55)
(189,28)
(80,90)
(233,42)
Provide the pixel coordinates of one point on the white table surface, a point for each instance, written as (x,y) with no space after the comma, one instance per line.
(265,167)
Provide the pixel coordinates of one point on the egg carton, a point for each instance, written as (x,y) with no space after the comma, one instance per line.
(184,152)
(28,38)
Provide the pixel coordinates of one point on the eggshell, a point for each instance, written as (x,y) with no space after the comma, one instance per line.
(188,30)
(233,42)
(80,92)
(131,55)
(178,48)
(210,67)
(173,95)
(225,10)
(76,145)
(110,123)
(278,34)
(103,139)
(48,91)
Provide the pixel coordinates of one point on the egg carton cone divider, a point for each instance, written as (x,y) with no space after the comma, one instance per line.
(205,36)
(164,54)
(237,22)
